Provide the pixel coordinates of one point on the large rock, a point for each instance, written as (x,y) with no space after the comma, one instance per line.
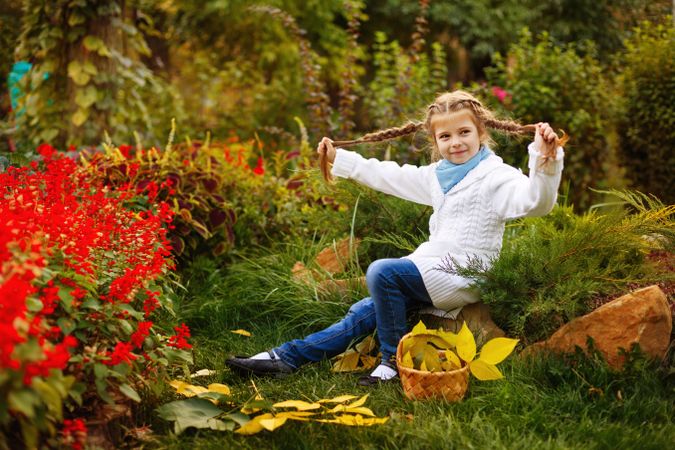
(642,317)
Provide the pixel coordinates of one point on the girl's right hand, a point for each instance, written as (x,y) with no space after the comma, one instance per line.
(326,148)
(545,140)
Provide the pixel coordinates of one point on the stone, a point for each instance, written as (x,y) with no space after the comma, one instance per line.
(333,259)
(641,317)
(477,318)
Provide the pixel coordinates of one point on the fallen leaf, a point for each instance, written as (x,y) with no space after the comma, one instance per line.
(297,404)
(219,388)
(340,399)
(187,389)
(203,373)
(242,332)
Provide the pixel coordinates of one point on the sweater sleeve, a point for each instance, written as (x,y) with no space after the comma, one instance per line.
(518,195)
(407,182)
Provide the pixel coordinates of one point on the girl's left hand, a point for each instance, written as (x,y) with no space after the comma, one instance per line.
(546,140)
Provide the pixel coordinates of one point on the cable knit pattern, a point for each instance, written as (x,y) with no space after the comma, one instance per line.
(467,221)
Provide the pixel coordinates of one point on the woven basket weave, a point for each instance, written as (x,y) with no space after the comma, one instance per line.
(422,384)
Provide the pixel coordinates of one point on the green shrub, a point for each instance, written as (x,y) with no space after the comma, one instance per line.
(551,83)
(647,119)
(552,268)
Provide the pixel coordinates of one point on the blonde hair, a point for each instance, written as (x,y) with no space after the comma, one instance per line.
(448,102)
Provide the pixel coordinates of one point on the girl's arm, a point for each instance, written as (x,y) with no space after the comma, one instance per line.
(515,195)
(407,182)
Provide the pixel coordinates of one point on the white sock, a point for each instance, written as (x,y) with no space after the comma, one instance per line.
(264,355)
(383,372)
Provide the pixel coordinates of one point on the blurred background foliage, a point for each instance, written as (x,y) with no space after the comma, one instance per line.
(600,70)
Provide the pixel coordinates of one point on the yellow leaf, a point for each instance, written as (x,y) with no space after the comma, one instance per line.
(360,410)
(431,359)
(359,402)
(187,389)
(420,328)
(448,336)
(484,371)
(367,345)
(80,116)
(355,420)
(466,344)
(414,344)
(452,358)
(407,360)
(496,350)
(254,426)
(219,388)
(297,404)
(423,366)
(242,332)
(273,423)
(440,342)
(296,415)
(347,362)
(340,399)
(368,362)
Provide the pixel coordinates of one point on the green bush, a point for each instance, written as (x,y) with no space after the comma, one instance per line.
(553,268)
(646,125)
(551,83)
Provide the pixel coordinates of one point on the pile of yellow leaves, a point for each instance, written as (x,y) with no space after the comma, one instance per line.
(200,410)
(438,350)
(358,358)
(343,413)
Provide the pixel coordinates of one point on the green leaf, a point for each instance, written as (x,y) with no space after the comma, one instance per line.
(92,43)
(77,73)
(192,412)
(86,97)
(23,401)
(75,18)
(80,117)
(67,325)
(50,397)
(130,392)
(34,304)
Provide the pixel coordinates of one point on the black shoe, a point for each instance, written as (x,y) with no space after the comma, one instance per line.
(245,366)
(368,380)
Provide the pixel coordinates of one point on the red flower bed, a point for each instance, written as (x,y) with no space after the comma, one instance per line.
(81,276)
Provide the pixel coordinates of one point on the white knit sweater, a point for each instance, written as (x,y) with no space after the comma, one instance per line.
(468,220)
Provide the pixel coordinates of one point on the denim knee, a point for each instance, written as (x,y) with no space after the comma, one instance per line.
(377,273)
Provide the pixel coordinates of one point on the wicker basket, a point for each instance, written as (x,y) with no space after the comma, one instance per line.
(421,384)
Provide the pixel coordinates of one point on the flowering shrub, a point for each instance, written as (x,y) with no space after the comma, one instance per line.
(81,276)
(223,194)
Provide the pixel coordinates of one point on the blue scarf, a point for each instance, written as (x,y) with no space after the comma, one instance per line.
(449,174)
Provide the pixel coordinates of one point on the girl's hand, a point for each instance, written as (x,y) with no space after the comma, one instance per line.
(326,149)
(546,140)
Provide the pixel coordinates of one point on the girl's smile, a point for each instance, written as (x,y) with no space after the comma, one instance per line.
(456,135)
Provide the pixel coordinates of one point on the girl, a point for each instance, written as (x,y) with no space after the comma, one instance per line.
(472,192)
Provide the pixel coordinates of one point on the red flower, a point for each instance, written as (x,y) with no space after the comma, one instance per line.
(179,340)
(138,337)
(121,353)
(74,433)
(259,169)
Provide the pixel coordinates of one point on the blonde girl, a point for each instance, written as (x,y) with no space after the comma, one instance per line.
(473,194)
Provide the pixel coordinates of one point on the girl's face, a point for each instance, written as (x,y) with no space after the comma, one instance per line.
(456,135)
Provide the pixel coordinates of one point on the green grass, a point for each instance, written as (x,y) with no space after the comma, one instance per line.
(547,403)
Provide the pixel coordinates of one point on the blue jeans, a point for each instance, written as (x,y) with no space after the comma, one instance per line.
(396,287)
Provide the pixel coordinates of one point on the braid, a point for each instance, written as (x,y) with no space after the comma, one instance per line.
(384,135)
(509,126)
(378,136)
